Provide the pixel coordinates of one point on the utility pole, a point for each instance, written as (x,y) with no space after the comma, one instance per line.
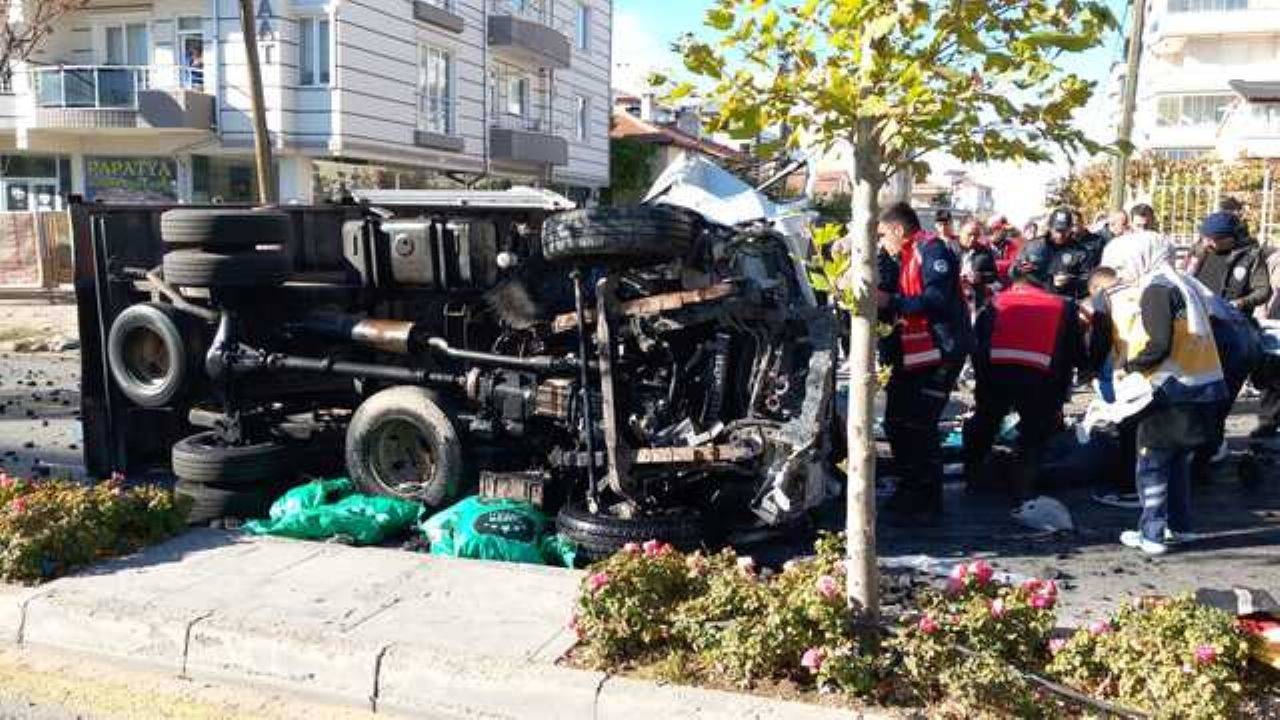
(261,139)
(1120,169)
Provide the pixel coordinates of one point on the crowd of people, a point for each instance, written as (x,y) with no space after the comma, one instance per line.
(1166,342)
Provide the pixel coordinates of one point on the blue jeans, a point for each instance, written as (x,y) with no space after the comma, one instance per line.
(1164,487)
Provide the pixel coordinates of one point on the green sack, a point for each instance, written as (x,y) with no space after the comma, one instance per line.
(505,530)
(326,509)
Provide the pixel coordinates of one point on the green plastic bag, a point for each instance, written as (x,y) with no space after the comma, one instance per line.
(505,530)
(325,509)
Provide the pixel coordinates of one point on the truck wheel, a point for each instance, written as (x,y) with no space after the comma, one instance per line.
(147,355)
(204,269)
(211,501)
(400,443)
(205,458)
(223,229)
(636,235)
(600,535)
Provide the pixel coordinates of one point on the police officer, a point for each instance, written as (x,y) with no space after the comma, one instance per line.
(1029,342)
(946,230)
(931,339)
(1073,254)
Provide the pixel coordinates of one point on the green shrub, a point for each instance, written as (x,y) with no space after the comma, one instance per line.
(1171,658)
(49,528)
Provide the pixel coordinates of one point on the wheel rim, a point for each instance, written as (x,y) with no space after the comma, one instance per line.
(147,360)
(400,458)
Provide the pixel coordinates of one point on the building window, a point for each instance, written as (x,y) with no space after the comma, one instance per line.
(1176,6)
(128,44)
(442,4)
(581,117)
(1266,118)
(435,90)
(1192,110)
(583,26)
(518,96)
(191,52)
(313,51)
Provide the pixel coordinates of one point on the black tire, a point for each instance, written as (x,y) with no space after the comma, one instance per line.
(204,458)
(598,536)
(147,355)
(633,235)
(211,502)
(203,269)
(223,229)
(401,444)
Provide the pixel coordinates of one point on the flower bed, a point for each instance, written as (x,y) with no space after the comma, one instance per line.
(49,528)
(968,650)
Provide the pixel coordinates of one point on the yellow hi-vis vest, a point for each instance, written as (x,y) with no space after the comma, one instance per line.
(1192,371)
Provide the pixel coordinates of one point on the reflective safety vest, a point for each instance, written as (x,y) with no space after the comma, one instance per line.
(1027,321)
(919,350)
(1191,373)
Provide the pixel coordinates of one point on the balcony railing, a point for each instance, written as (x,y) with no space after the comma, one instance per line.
(533,11)
(535,119)
(1191,6)
(436,115)
(106,87)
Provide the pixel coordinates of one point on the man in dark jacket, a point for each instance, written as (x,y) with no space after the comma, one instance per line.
(1073,254)
(1231,263)
(931,340)
(978,273)
(1029,343)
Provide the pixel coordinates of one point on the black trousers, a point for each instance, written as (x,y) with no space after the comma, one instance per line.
(1037,399)
(914,403)
(1266,377)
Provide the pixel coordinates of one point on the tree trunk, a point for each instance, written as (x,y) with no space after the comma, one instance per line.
(860,521)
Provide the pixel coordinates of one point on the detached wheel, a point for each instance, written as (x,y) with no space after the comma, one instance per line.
(211,502)
(205,458)
(636,235)
(204,269)
(601,535)
(400,443)
(223,229)
(147,355)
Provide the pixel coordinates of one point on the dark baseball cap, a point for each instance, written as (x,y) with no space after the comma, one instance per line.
(1218,225)
(942,216)
(1062,219)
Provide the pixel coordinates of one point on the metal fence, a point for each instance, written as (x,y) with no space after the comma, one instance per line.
(1182,201)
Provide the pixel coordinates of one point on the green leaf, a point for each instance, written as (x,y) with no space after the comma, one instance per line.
(719,19)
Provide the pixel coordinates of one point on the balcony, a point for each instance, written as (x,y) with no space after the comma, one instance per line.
(117,97)
(525,33)
(1191,18)
(526,139)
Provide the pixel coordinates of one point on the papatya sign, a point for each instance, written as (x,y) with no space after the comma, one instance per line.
(132,179)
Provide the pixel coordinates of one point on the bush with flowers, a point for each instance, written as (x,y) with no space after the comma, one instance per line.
(51,527)
(1172,658)
(962,645)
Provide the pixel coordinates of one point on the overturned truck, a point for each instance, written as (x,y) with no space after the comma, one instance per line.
(642,371)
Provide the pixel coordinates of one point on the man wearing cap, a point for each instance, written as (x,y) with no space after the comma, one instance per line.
(931,339)
(947,231)
(1029,343)
(1072,255)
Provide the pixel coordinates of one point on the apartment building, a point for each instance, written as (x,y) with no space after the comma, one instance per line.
(150,102)
(1209,80)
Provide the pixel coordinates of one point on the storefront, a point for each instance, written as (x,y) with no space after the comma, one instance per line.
(217,179)
(34,183)
(131,180)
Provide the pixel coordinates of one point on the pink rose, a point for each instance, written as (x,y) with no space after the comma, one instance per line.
(813,659)
(654,548)
(1206,654)
(960,573)
(1056,645)
(1099,627)
(7,482)
(997,608)
(17,506)
(597,582)
(1040,601)
(574,626)
(982,571)
(631,548)
(747,564)
(954,586)
(928,625)
(828,588)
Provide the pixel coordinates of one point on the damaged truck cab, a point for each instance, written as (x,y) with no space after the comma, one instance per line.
(646,371)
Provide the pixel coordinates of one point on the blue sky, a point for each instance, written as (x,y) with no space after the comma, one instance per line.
(644,30)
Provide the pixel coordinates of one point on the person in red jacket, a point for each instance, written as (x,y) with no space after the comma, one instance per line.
(1029,342)
(1007,243)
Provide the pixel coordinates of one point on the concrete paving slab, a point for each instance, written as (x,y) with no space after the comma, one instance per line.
(624,699)
(12,600)
(422,680)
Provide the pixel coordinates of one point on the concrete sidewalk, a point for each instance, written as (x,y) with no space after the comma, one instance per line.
(383,629)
